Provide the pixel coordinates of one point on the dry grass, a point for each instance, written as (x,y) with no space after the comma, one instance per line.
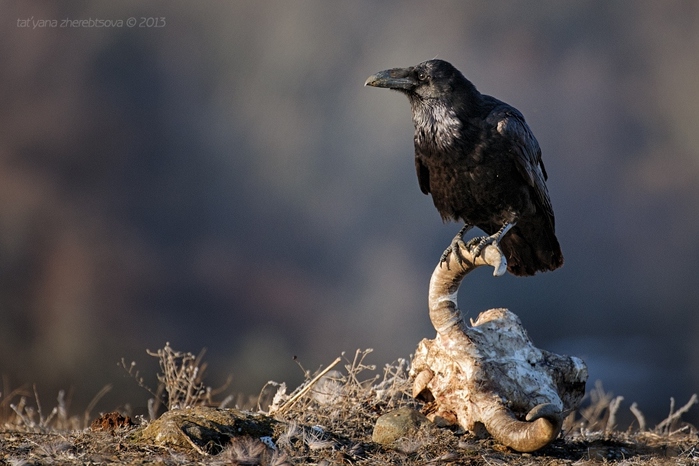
(327,420)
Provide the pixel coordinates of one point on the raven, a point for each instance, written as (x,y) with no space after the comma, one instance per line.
(480,161)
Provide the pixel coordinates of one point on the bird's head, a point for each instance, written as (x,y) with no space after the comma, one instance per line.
(433,79)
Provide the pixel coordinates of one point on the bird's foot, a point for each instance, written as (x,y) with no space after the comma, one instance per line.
(455,247)
(478,244)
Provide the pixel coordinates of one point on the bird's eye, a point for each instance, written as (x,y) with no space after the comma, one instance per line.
(421,76)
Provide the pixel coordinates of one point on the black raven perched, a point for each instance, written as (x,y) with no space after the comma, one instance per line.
(480,161)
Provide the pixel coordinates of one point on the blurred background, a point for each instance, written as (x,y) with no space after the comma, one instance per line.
(226,182)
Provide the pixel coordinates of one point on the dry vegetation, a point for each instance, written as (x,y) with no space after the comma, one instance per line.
(327,420)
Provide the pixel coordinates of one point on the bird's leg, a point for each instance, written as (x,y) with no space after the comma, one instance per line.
(456,244)
(479,243)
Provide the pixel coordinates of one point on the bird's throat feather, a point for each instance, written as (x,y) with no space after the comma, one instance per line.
(436,124)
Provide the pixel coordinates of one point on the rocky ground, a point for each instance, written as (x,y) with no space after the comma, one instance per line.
(330,419)
(306,446)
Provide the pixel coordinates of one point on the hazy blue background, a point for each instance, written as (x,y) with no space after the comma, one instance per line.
(227,182)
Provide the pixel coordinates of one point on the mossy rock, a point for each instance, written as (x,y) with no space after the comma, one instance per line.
(204,429)
(402,423)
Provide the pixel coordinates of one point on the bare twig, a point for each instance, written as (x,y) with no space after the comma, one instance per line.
(639,416)
(134,373)
(613,408)
(95,399)
(594,413)
(181,380)
(291,401)
(665,427)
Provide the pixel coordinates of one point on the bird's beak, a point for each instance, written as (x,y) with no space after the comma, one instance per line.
(396,78)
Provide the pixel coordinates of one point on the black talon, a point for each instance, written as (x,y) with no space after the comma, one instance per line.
(456,244)
(479,243)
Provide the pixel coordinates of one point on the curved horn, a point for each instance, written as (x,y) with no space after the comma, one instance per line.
(541,428)
(446,279)
(421,381)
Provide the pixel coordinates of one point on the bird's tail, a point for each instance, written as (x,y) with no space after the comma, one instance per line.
(531,246)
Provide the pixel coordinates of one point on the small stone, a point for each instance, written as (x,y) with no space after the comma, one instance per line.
(397,424)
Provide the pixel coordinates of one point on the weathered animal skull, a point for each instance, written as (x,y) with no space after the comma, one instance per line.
(489,376)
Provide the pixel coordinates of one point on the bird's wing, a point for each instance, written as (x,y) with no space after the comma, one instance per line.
(527,154)
(423,175)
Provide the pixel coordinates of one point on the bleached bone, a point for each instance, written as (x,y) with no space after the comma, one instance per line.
(489,375)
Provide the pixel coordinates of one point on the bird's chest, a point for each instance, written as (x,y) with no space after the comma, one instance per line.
(471,179)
